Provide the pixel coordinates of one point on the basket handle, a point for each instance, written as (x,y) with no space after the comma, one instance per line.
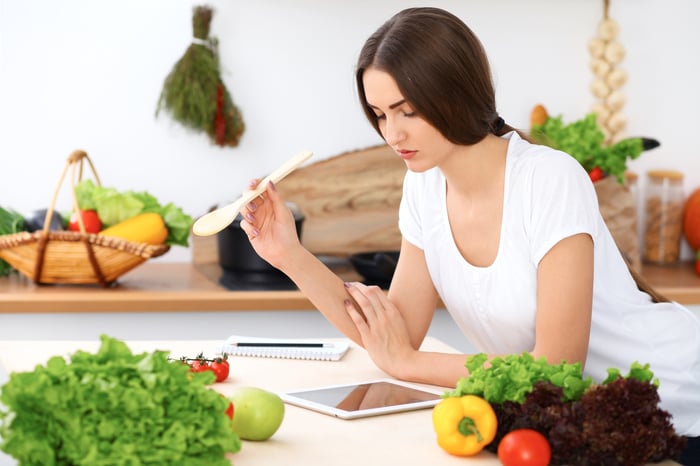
(75,159)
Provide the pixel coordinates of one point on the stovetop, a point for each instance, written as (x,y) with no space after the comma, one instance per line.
(255,281)
(236,280)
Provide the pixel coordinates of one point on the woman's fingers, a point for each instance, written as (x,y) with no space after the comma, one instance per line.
(356,316)
(248,212)
(368,299)
(249,228)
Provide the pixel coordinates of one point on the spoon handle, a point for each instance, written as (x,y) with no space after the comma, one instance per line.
(283,170)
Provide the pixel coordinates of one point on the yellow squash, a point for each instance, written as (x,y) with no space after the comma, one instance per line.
(148,228)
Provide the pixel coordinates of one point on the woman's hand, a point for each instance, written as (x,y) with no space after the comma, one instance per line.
(270,225)
(382,328)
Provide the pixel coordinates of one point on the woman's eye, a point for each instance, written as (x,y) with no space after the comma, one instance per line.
(380,117)
(409,114)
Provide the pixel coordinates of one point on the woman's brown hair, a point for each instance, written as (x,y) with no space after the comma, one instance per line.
(441,69)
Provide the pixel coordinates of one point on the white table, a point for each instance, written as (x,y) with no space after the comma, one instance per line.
(305,437)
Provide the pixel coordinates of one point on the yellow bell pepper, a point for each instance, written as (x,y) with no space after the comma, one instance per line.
(464,425)
(147,227)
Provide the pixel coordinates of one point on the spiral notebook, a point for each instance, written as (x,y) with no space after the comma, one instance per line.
(286,348)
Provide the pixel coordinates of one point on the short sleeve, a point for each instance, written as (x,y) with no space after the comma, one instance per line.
(409,210)
(563,202)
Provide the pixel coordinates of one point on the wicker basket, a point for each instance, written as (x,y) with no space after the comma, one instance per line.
(69,257)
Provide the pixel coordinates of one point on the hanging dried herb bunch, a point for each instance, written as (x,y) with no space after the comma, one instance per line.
(194,94)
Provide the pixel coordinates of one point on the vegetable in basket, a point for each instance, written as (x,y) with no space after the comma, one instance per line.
(90,220)
(36,220)
(114,207)
(114,407)
(10,222)
(143,228)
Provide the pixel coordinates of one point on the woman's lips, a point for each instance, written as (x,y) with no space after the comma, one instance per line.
(406,154)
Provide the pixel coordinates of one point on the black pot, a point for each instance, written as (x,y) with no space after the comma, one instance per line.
(236,253)
(377,268)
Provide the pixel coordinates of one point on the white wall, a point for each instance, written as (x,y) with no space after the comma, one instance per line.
(87,74)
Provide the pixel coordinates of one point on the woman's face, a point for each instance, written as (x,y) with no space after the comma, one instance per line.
(415,140)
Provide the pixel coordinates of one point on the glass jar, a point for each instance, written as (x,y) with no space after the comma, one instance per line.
(663,212)
(632,183)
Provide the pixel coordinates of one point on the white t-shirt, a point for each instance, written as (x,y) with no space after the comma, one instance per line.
(548,197)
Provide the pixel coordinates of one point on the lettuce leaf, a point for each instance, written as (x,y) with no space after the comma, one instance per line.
(511,377)
(115,408)
(583,140)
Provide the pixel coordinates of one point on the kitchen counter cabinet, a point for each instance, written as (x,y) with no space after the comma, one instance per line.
(153,286)
(162,286)
(677,282)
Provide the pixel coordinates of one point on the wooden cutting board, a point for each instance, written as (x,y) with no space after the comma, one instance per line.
(350,203)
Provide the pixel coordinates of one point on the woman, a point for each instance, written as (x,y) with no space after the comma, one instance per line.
(507,233)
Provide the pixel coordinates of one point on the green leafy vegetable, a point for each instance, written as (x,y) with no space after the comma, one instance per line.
(583,140)
(113,206)
(637,371)
(617,422)
(10,222)
(511,377)
(115,408)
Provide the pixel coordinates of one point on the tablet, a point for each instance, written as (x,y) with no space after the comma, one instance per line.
(372,398)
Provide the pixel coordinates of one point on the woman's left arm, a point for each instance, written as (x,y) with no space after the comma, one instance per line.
(393,325)
(565,300)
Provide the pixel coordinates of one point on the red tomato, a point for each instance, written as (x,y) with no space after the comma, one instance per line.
(524,447)
(91,220)
(596,174)
(220,367)
(199,366)
(229,410)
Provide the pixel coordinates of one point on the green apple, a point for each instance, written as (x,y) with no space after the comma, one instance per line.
(257,413)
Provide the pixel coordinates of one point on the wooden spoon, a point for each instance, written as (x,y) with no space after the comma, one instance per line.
(216,220)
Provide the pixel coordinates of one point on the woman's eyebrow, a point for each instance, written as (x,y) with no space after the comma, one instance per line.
(391,107)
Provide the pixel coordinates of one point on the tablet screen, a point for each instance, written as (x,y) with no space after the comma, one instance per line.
(363,399)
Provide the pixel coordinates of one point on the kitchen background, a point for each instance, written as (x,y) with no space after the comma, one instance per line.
(86,74)
(83,74)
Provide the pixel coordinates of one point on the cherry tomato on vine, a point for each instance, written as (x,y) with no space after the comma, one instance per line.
(221,368)
(524,447)
(199,366)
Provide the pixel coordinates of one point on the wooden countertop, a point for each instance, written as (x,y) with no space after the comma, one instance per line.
(152,286)
(305,436)
(162,286)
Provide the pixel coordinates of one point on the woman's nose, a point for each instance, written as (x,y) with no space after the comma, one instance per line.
(393,133)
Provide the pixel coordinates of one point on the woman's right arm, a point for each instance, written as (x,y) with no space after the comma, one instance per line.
(270,227)
(323,288)
(269,224)
(411,291)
